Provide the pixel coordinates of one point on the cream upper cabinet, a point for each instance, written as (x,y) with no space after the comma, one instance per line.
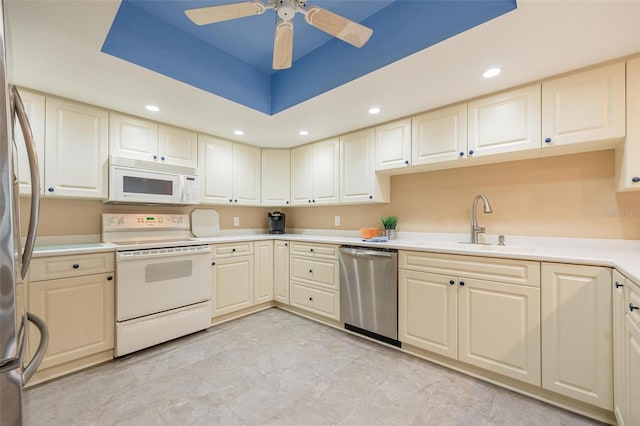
(577,332)
(147,140)
(506,122)
(584,107)
(276,177)
(628,154)
(492,323)
(315,173)
(34,105)
(178,146)
(229,172)
(246,175)
(281,271)
(76,150)
(263,267)
(393,145)
(439,135)
(215,165)
(358,179)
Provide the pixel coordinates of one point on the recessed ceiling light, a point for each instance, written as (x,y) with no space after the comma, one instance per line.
(491,72)
(152,108)
(374,110)
(303,133)
(238,132)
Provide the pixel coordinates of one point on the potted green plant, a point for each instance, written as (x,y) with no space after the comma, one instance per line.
(390,223)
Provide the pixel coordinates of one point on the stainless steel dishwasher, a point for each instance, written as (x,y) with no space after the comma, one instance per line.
(369,292)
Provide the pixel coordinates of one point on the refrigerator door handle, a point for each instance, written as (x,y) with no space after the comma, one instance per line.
(35,180)
(30,369)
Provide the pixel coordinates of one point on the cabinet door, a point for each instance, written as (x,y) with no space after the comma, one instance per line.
(576,332)
(439,135)
(133,137)
(301,175)
(263,252)
(357,171)
(276,177)
(499,328)
(619,407)
(281,271)
(631,370)
(76,151)
(79,313)
(177,146)
(393,145)
(428,312)
(246,175)
(584,107)
(326,173)
(34,106)
(628,155)
(232,285)
(214,165)
(506,122)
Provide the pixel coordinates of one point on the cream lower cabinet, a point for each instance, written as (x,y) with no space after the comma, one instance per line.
(281,271)
(74,295)
(232,278)
(492,323)
(577,332)
(315,283)
(263,266)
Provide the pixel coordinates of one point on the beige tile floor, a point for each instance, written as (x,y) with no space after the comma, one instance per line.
(276,368)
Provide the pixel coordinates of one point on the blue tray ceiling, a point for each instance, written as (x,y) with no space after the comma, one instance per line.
(233,59)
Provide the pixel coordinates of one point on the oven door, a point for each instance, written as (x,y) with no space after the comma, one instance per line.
(144,186)
(157,280)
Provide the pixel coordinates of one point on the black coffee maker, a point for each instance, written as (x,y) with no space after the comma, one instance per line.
(276,222)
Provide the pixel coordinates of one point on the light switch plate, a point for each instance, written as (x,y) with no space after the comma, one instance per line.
(236,221)
(336,220)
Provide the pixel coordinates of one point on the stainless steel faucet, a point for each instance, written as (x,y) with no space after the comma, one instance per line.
(475,229)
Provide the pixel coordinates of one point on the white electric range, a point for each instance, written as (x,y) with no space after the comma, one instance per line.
(163,279)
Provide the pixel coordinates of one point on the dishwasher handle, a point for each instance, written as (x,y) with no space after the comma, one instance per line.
(366,253)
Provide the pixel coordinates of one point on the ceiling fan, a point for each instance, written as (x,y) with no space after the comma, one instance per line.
(329,22)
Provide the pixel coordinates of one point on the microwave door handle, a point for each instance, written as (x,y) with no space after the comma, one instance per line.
(35,181)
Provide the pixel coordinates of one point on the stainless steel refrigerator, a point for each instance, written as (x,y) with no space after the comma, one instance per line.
(15,370)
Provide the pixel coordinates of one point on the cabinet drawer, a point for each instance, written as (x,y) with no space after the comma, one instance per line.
(490,269)
(47,268)
(232,249)
(324,251)
(321,272)
(317,300)
(633,298)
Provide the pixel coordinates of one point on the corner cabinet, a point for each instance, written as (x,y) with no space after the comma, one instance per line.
(276,177)
(481,311)
(587,106)
(76,150)
(393,145)
(315,173)
(577,364)
(281,271)
(74,295)
(628,154)
(34,105)
(359,182)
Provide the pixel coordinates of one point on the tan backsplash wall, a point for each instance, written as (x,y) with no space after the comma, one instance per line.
(80,217)
(568,196)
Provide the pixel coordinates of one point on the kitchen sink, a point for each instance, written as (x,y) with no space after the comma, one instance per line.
(476,247)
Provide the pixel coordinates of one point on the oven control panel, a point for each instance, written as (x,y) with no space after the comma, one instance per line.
(129,222)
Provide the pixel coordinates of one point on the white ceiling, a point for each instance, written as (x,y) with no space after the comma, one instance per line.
(54,46)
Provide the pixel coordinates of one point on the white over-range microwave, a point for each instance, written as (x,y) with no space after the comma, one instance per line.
(146,182)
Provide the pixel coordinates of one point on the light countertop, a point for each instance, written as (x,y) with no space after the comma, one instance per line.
(620,254)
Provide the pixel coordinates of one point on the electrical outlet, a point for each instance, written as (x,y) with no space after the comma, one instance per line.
(336,220)
(236,221)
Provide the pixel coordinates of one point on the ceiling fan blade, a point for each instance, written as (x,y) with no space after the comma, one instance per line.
(224,12)
(283,45)
(338,26)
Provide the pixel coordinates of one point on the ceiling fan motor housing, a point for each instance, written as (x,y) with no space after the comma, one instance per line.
(286,9)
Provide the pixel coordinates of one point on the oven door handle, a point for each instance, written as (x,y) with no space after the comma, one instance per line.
(143,255)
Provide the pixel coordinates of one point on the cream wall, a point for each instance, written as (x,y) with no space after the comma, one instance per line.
(569,196)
